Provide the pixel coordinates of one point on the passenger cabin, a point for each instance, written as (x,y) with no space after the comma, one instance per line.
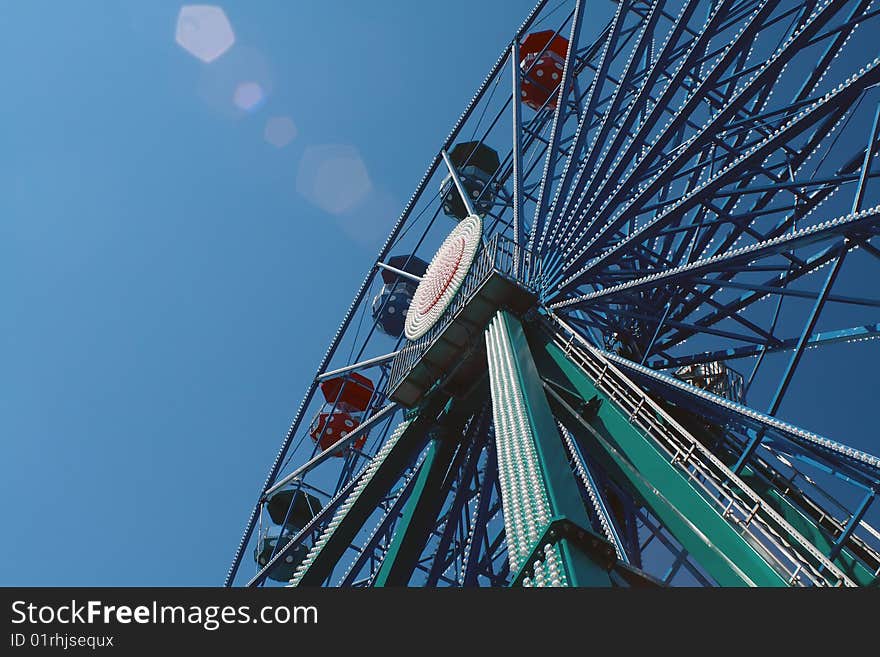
(302,508)
(542,60)
(346,398)
(284,569)
(392,301)
(475,164)
(716,377)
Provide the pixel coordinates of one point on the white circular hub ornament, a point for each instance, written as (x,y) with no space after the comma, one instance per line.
(443,277)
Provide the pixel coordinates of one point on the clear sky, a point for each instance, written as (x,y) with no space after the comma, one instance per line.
(170,279)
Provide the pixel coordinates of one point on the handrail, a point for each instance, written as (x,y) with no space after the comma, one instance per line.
(742,506)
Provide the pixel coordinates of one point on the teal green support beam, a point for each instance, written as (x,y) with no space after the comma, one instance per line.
(538,489)
(400,448)
(419,514)
(785,501)
(631,459)
(808,528)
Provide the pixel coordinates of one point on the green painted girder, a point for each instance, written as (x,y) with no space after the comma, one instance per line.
(522,390)
(386,468)
(807,527)
(634,462)
(760,482)
(429,490)
(419,514)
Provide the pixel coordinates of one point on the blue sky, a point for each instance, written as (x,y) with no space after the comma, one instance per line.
(169,278)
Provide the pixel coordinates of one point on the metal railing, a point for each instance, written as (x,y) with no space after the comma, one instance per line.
(498,255)
(787,551)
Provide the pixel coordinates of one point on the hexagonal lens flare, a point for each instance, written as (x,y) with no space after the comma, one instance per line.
(204,31)
(248,96)
(280,131)
(333,177)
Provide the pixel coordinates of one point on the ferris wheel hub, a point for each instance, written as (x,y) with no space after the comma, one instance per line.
(444,277)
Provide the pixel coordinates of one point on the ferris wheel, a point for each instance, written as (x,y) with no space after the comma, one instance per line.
(597,343)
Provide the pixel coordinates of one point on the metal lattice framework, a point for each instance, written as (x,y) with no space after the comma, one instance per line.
(683,206)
